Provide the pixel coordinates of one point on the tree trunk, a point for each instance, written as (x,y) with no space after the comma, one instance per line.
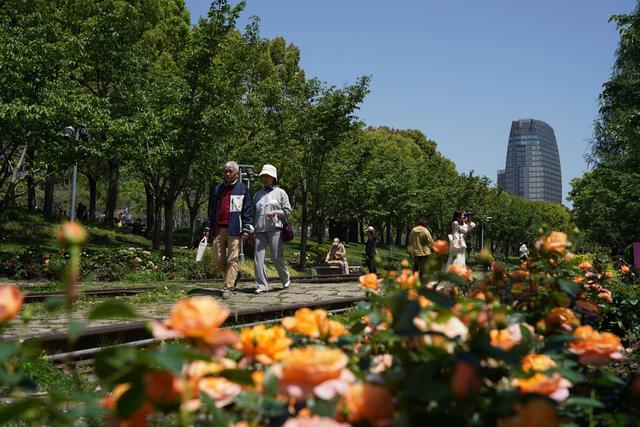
(399,235)
(406,237)
(49,187)
(157,222)
(151,210)
(93,194)
(361,232)
(388,232)
(168,226)
(31,184)
(112,193)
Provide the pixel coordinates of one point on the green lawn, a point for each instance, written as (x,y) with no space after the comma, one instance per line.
(29,250)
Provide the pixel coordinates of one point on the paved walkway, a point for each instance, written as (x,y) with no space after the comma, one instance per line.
(42,321)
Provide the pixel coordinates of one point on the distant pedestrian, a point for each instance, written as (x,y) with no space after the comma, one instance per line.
(230,220)
(338,255)
(524,252)
(137,227)
(370,250)
(420,243)
(81,212)
(457,244)
(272,209)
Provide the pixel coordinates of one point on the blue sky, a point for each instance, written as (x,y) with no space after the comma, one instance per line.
(462,70)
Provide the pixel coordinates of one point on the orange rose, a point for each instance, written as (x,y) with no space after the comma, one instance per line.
(305,322)
(625,269)
(370,281)
(72,233)
(264,345)
(446,334)
(407,278)
(258,380)
(460,270)
(313,369)
(556,242)
(535,413)
(537,362)
(562,317)
(369,403)
(313,421)
(10,302)
(595,348)
(219,389)
(137,419)
(555,386)
(441,247)
(585,266)
(578,279)
(465,381)
(587,307)
(608,274)
(197,317)
(202,368)
(506,339)
(520,274)
(162,388)
(332,330)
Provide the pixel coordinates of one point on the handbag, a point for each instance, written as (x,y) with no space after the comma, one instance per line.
(202,247)
(287,232)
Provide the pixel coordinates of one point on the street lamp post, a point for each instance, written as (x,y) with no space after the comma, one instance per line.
(487,219)
(79,132)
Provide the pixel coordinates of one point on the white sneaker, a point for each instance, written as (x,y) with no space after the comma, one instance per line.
(286,285)
(260,291)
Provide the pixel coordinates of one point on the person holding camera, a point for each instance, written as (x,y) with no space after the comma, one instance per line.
(457,245)
(272,209)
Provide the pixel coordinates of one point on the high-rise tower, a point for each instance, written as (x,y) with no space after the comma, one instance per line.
(533,162)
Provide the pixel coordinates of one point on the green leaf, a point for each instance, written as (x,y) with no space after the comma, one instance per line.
(20,410)
(7,349)
(112,309)
(238,376)
(130,401)
(569,286)
(76,328)
(270,384)
(52,304)
(219,418)
(584,402)
(573,376)
(438,298)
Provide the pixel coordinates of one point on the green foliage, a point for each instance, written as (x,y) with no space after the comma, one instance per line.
(606,199)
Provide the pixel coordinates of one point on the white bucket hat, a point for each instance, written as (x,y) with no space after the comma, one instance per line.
(269,170)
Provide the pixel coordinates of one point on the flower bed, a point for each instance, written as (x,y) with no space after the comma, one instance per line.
(542,345)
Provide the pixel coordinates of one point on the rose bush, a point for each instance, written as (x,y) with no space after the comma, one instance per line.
(526,347)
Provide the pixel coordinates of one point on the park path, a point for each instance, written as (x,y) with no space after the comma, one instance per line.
(42,321)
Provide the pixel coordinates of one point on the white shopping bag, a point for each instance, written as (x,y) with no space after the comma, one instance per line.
(201,248)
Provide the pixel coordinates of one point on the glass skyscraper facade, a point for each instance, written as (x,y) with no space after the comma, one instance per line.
(532,169)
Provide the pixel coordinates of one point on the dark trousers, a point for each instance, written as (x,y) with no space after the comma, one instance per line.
(371,265)
(419,263)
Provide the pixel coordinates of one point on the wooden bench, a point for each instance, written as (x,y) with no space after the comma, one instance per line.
(324,270)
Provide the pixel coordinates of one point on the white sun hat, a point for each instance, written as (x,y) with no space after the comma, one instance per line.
(269,170)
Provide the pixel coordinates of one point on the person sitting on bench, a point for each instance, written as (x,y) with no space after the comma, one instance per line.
(338,255)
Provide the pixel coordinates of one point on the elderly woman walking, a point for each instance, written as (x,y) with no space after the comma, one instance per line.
(272,208)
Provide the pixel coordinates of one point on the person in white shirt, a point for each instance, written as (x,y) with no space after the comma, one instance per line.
(272,208)
(524,252)
(457,244)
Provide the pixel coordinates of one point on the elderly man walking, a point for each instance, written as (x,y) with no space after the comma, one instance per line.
(230,219)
